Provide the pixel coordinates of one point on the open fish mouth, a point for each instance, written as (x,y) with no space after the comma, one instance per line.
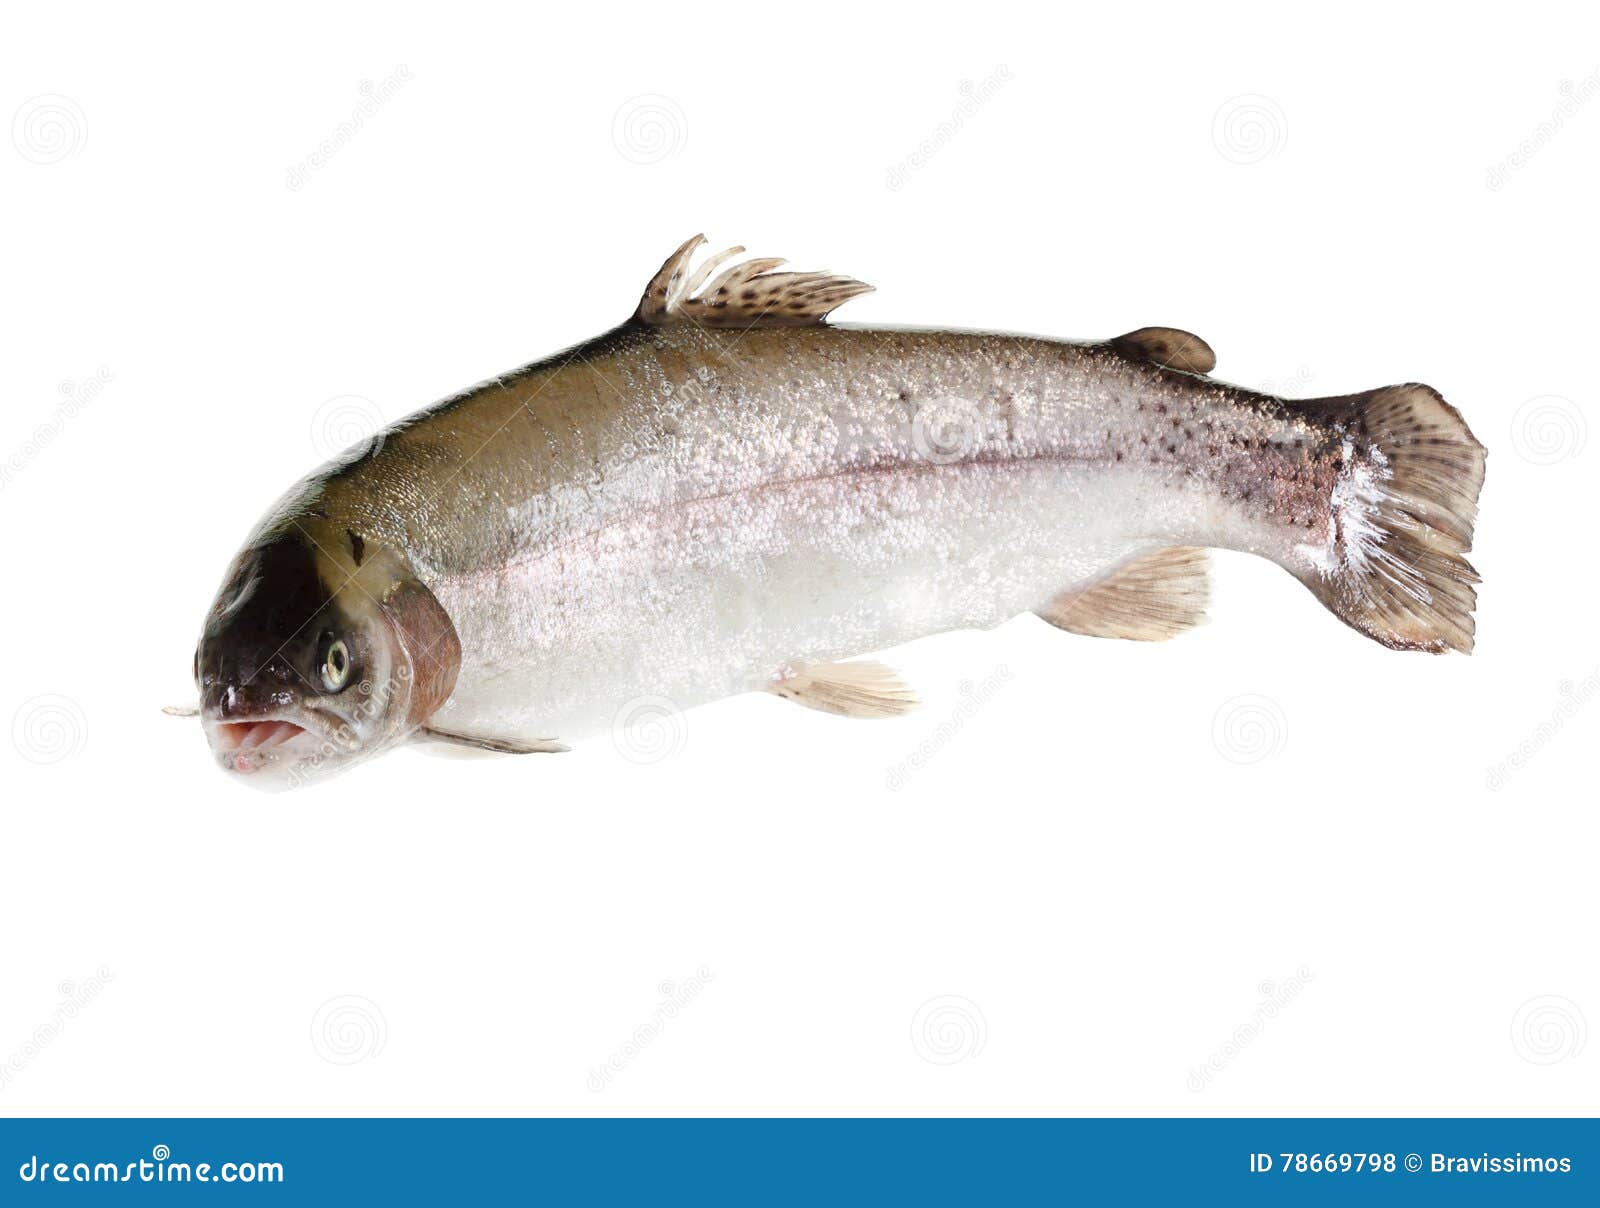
(255,735)
(249,746)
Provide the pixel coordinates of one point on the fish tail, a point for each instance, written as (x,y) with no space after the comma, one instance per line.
(1402,511)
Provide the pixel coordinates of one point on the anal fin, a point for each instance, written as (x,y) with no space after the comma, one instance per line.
(1150,599)
(856,689)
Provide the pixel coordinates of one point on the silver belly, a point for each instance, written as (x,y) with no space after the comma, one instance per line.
(707,598)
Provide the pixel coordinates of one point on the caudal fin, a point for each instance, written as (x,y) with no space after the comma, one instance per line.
(1403,510)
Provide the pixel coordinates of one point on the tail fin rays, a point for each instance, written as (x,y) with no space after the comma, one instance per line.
(1403,517)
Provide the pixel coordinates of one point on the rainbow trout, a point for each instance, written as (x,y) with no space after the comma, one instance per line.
(728,494)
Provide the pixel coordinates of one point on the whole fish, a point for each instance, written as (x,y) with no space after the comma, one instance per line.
(726,494)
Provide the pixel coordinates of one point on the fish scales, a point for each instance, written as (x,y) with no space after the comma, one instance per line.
(660,540)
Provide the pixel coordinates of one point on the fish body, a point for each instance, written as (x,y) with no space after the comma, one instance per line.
(712,500)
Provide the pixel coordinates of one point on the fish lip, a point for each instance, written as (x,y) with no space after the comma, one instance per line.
(317,728)
(310,718)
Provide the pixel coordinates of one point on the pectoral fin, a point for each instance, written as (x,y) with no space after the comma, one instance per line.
(1149,599)
(181,710)
(858,689)
(506,746)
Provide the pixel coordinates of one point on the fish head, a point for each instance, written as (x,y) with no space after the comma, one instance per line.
(318,652)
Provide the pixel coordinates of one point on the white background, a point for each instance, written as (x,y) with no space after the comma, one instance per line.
(1093,875)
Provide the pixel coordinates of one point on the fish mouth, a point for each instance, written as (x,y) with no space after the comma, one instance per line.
(253,744)
(246,736)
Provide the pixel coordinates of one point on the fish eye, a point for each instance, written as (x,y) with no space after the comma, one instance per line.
(335,664)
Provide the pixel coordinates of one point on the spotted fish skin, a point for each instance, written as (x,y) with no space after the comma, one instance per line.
(685,507)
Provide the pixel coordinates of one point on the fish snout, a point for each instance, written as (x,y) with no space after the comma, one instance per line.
(247,719)
(234,694)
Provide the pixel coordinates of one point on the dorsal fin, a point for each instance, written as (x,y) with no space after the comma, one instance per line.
(1168,346)
(747,295)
